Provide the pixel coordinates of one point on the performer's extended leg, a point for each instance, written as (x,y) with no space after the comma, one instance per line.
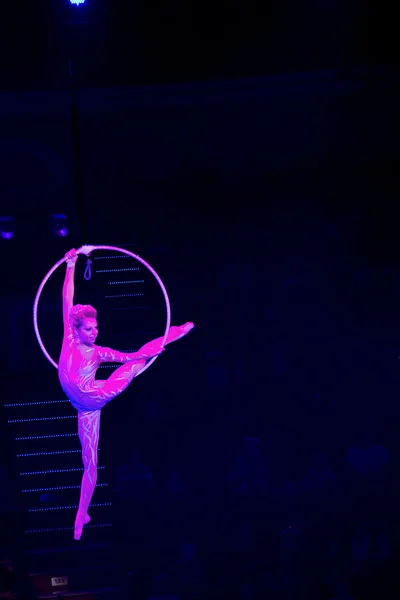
(122,377)
(117,382)
(89,421)
(89,429)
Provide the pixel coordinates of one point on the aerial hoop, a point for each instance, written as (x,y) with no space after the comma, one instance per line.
(88,250)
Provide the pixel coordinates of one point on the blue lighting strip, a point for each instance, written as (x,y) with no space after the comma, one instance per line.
(63,487)
(46,437)
(65,528)
(118,270)
(120,256)
(55,471)
(40,419)
(118,282)
(67,507)
(38,403)
(124,296)
(49,453)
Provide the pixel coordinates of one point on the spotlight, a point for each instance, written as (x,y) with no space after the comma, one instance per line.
(59,225)
(7,228)
(77,2)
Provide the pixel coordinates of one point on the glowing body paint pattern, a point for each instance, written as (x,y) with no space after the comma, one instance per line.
(77,369)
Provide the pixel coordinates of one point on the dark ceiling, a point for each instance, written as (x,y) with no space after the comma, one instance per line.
(123,42)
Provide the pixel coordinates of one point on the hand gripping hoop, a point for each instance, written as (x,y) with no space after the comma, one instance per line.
(88,250)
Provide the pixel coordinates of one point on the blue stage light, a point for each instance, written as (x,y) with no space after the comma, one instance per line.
(59,225)
(7,228)
(77,2)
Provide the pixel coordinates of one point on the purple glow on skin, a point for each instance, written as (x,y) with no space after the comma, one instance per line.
(80,358)
(78,364)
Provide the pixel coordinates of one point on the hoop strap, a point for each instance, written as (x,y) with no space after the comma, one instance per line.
(88,273)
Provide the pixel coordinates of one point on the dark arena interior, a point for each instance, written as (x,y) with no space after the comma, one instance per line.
(240,160)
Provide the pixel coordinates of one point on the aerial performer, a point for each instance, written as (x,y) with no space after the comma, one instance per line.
(80,357)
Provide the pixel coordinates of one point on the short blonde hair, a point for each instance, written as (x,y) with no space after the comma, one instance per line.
(79,312)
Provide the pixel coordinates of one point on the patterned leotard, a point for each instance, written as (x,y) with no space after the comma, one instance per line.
(77,369)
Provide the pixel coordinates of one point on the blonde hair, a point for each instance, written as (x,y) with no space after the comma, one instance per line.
(79,312)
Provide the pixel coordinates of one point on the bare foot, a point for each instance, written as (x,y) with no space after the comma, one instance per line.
(154,347)
(78,531)
(187,327)
(183,329)
(80,521)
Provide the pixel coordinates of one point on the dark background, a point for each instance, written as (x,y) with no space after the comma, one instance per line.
(124,42)
(250,153)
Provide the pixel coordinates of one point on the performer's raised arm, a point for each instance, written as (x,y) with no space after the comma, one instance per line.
(68,289)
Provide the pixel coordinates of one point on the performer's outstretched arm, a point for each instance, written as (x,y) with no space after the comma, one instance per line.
(110,355)
(68,289)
